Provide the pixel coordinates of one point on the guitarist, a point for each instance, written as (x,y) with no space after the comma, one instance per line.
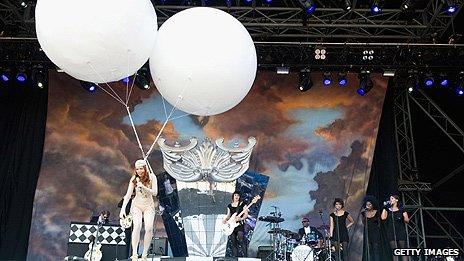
(237,237)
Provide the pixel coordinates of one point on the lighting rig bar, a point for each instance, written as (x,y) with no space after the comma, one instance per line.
(301,55)
(284,21)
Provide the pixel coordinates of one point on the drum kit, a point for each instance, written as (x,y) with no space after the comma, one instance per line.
(289,246)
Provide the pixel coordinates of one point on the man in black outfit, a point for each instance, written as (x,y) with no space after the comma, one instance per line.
(102,219)
(311,235)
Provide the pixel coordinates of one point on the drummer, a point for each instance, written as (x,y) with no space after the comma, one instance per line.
(310,235)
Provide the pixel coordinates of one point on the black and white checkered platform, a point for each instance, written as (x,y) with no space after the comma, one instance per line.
(107,234)
(198,258)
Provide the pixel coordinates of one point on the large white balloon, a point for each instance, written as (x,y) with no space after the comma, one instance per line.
(206,58)
(97,40)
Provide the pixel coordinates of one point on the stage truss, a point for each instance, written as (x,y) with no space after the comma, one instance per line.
(413,191)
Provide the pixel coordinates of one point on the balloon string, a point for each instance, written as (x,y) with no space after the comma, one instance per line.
(131,88)
(170,114)
(164,107)
(135,132)
(128,78)
(111,95)
(101,78)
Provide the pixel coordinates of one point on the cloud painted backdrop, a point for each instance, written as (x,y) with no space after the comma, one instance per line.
(314,146)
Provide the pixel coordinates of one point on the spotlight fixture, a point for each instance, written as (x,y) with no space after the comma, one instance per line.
(305,82)
(368,55)
(413,81)
(365,83)
(460,85)
(5,76)
(142,79)
(451,6)
(283,70)
(406,5)
(21,76)
(460,90)
(327,80)
(443,80)
(376,7)
(320,53)
(428,80)
(38,77)
(342,80)
(88,86)
(308,5)
(126,80)
(347,5)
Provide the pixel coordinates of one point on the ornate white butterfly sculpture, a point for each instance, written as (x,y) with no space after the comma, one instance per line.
(213,162)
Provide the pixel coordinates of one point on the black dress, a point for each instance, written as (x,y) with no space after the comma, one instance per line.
(396,229)
(340,227)
(373,228)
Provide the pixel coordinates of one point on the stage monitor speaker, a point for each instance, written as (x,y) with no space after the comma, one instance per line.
(265,252)
(159,246)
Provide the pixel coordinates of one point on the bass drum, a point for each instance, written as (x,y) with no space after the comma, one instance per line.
(303,253)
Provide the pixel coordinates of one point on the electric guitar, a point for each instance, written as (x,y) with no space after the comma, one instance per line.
(96,253)
(231,224)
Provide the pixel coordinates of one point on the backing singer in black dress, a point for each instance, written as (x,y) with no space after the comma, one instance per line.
(372,231)
(339,229)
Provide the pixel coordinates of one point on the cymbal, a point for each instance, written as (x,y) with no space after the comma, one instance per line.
(284,232)
(274,231)
(271,219)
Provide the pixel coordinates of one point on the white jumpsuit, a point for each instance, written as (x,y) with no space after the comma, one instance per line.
(143,206)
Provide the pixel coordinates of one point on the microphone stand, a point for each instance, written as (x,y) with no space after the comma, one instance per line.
(329,246)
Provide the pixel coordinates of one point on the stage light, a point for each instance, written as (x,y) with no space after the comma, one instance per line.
(413,81)
(38,77)
(443,80)
(327,80)
(308,5)
(451,6)
(347,5)
(459,91)
(428,80)
(320,53)
(406,5)
(88,86)
(142,79)
(5,76)
(283,70)
(342,80)
(21,76)
(305,82)
(375,7)
(365,83)
(368,55)
(460,85)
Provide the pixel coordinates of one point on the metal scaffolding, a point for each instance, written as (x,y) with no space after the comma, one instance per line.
(413,191)
(284,20)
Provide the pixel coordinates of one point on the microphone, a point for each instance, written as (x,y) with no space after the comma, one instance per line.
(385,203)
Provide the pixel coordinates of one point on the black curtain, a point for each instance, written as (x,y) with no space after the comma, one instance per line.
(383,179)
(23,110)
